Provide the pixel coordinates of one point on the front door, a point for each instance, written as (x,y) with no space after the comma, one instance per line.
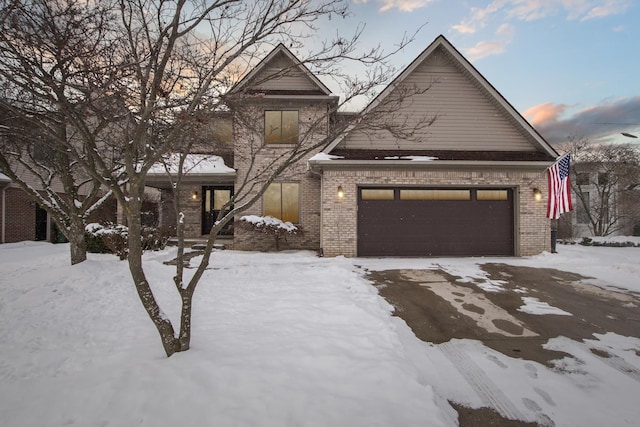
(41,223)
(213,202)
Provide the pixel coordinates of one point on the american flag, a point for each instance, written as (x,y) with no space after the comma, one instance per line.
(559,188)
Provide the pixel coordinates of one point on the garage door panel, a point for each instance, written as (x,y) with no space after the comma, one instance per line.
(435,228)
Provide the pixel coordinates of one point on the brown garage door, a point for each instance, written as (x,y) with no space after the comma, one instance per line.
(435,222)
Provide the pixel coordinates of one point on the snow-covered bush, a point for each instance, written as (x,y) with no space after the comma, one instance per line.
(269,225)
(113,239)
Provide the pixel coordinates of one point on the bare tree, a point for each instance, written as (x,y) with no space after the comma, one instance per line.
(156,71)
(603,180)
(48,59)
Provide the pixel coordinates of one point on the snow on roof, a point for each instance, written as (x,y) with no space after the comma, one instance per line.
(413,158)
(4,178)
(325,156)
(193,164)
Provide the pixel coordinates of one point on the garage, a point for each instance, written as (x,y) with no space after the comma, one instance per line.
(435,221)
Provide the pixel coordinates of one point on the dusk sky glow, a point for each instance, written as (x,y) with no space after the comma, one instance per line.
(570,67)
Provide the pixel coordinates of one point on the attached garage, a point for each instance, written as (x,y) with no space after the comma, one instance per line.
(435,221)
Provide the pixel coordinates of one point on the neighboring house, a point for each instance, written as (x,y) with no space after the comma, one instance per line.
(463,184)
(21,218)
(606,202)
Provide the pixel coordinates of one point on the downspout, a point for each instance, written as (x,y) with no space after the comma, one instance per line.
(4,213)
(310,170)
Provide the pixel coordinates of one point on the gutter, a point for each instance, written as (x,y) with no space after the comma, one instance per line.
(433,164)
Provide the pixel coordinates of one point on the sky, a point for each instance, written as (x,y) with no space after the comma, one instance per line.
(570,67)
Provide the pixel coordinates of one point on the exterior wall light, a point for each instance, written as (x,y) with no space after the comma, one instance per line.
(340,192)
(194,195)
(537,194)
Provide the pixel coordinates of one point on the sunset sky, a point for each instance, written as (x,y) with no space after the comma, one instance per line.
(571,67)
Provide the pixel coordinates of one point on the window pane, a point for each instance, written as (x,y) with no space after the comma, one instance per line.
(280,127)
(272,201)
(207,201)
(493,195)
(220,197)
(272,126)
(435,194)
(290,203)
(290,127)
(377,194)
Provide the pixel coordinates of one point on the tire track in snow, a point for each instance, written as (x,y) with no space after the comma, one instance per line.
(614,361)
(486,389)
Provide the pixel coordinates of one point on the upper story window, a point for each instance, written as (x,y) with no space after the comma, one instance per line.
(281,127)
(583,179)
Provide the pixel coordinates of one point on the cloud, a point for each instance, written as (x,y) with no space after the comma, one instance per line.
(544,113)
(602,122)
(610,7)
(530,10)
(486,48)
(401,5)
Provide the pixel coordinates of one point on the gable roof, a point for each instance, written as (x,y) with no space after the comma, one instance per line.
(294,66)
(470,73)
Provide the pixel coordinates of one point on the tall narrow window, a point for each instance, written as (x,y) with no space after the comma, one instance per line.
(280,127)
(281,200)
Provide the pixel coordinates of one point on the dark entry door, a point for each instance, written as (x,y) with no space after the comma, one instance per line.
(41,223)
(435,222)
(213,202)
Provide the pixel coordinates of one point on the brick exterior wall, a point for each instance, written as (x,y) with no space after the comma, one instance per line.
(339,217)
(20,216)
(254,161)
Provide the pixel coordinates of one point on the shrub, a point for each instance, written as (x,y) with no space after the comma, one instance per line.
(113,239)
(271,226)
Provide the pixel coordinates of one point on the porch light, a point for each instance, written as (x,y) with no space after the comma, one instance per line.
(194,195)
(340,192)
(537,194)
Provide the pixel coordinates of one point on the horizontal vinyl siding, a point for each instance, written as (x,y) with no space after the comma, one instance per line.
(295,79)
(466,118)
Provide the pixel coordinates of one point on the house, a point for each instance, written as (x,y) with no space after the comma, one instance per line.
(438,164)
(606,200)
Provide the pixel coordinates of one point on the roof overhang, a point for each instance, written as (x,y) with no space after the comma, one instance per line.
(165,181)
(433,164)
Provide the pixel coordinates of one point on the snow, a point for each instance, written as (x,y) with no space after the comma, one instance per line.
(535,306)
(269,221)
(412,158)
(324,156)
(283,339)
(193,164)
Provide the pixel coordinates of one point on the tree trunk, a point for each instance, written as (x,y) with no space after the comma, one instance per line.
(77,244)
(162,323)
(185,320)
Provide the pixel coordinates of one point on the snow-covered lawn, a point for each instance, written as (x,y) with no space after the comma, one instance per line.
(283,339)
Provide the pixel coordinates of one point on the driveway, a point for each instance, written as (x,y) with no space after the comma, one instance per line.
(438,307)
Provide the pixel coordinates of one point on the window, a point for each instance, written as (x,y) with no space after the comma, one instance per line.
(583,179)
(214,200)
(435,194)
(377,194)
(603,178)
(492,195)
(281,200)
(280,127)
